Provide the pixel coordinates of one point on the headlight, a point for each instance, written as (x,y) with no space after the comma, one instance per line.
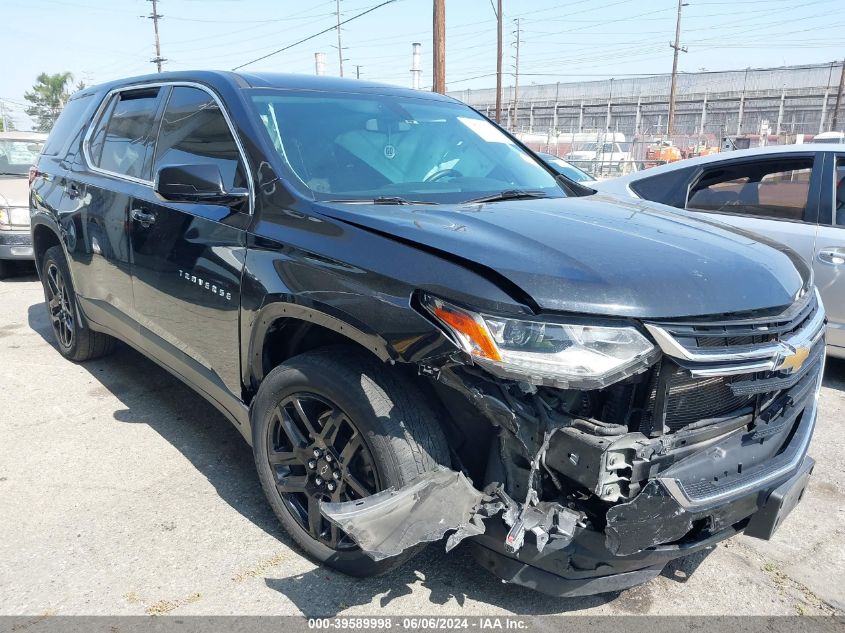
(14,217)
(580,355)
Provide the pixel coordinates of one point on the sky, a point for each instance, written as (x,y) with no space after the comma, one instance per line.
(569,40)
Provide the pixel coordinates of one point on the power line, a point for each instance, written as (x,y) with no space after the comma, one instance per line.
(311,37)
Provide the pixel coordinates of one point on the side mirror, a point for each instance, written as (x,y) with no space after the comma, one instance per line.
(195,183)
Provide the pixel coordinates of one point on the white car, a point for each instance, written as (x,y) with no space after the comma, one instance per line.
(600,157)
(18,152)
(792,194)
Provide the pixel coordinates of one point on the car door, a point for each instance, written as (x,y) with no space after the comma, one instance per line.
(187,257)
(829,260)
(94,209)
(776,196)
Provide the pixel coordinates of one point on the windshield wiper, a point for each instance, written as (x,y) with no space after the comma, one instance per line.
(382,200)
(508,194)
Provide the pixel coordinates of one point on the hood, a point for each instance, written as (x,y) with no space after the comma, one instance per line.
(14,191)
(600,255)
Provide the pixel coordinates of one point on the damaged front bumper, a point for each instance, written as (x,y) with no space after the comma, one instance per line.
(593,491)
(683,510)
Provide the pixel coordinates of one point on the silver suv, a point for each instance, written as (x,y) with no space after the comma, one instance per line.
(18,152)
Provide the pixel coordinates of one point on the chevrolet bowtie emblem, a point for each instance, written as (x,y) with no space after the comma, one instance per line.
(793,360)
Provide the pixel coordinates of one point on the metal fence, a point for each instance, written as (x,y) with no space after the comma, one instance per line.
(746,107)
(604,155)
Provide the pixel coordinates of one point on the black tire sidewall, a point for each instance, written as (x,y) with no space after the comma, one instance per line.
(340,384)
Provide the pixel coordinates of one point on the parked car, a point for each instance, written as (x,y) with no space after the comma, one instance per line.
(794,194)
(606,155)
(566,169)
(18,152)
(829,137)
(422,330)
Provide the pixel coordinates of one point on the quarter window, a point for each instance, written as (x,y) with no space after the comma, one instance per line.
(194,132)
(68,124)
(776,189)
(122,141)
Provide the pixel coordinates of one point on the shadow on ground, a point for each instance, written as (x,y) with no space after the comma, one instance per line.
(152,396)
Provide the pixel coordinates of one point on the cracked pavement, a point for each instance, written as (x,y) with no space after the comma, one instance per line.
(123,492)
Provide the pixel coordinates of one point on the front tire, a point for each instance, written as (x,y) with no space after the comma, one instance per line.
(340,413)
(75,342)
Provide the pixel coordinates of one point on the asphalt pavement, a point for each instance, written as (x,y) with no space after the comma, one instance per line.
(122,492)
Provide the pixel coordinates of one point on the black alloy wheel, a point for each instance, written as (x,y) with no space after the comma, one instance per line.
(59,305)
(337,424)
(318,454)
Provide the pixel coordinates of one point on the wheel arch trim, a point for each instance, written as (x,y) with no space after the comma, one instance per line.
(314,314)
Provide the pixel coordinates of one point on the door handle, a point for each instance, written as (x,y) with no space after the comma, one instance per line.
(833,256)
(144,218)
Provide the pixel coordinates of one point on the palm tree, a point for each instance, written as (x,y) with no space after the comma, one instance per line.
(48,97)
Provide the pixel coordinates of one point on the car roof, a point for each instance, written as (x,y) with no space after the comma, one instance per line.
(23,136)
(737,154)
(285,81)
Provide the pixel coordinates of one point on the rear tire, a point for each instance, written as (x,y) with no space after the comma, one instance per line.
(75,342)
(400,436)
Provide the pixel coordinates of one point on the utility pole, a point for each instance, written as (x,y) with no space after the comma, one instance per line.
(416,72)
(676,46)
(155,16)
(439,37)
(516,78)
(339,47)
(357,71)
(499,62)
(835,119)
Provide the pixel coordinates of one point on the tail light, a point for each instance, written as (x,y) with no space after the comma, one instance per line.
(33,174)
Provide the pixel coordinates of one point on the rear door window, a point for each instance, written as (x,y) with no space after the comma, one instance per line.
(776,189)
(123,139)
(194,132)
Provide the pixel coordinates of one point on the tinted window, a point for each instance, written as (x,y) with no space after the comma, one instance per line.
(194,132)
(839,215)
(667,188)
(70,121)
(128,133)
(772,189)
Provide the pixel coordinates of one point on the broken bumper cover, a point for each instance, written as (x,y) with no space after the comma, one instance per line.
(665,521)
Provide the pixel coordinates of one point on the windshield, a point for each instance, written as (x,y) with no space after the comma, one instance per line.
(364,147)
(17,156)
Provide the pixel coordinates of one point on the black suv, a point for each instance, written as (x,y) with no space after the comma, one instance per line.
(421,330)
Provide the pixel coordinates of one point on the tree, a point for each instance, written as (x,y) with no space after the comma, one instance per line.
(6,123)
(48,96)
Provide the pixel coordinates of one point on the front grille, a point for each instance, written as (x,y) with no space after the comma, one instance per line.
(715,369)
(743,331)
